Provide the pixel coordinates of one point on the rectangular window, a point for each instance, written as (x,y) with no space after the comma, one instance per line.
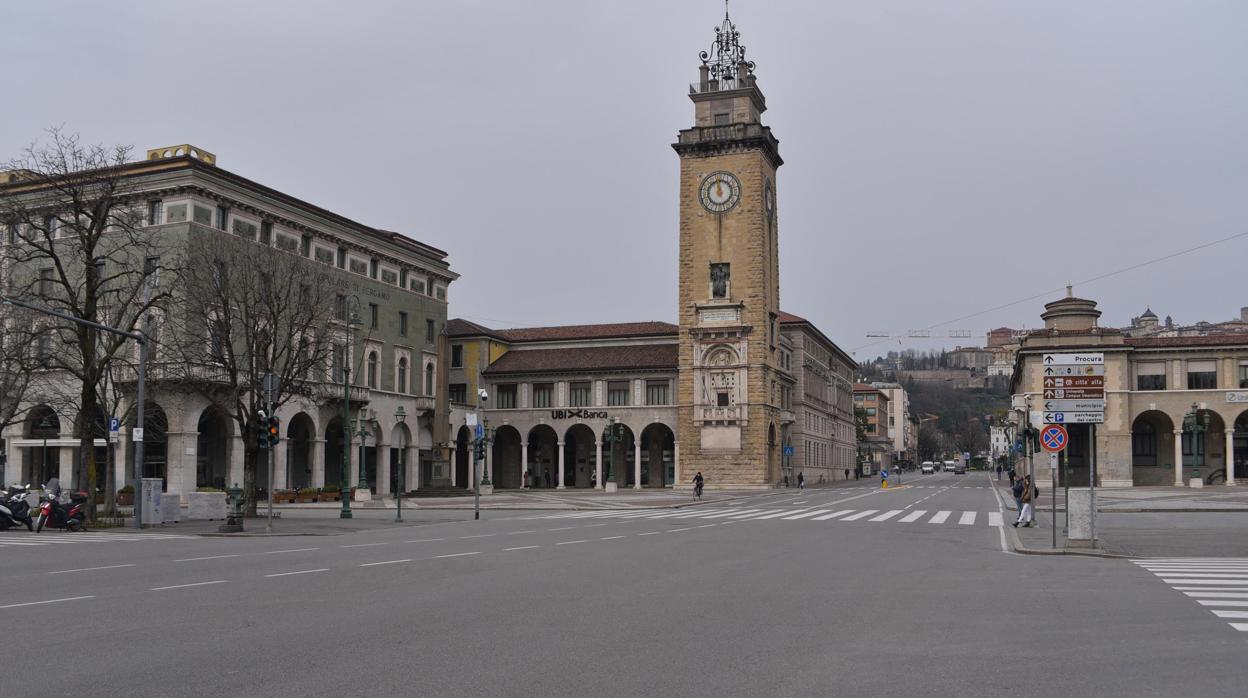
(457,356)
(45,283)
(429,330)
(372,268)
(870,411)
(441,293)
(656,392)
(12,233)
(358,266)
(337,361)
(507,396)
(223,218)
(458,392)
(244,229)
(324,256)
(543,394)
(579,394)
(372,316)
(175,214)
(1150,376)
(721,119)
(417,285)
(617,393)
(266,233)
(389,276)
(286,243)
(155,212)
(722,399)
(202,215)
(1202,375)
(402,324)
(340,308)
(1243,375)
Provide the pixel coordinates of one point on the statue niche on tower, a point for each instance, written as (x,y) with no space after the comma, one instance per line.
(720,275)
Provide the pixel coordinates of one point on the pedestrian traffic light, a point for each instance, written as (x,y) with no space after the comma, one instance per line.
(274,431)
(478,450)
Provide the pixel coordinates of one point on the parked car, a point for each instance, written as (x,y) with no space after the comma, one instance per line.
(928,468)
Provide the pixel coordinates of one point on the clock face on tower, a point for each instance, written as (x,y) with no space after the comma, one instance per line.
(720,191)
(769,199)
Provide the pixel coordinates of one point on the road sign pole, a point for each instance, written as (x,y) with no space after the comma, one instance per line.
(1053,493)
(1092,485)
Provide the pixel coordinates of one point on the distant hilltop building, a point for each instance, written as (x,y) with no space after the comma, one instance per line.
(1147,324)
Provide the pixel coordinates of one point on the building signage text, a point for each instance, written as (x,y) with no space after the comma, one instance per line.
(578,414)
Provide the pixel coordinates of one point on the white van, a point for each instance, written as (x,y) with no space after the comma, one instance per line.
(928,467)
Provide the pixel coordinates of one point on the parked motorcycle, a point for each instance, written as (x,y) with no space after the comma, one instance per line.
(55,514)
(14,509)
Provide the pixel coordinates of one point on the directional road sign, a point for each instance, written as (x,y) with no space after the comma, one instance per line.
(1074,417)
(479,432)
(1076,382)
(1074,370)
(1054,438)
(1074,405)
(1073,394)
(1077,359)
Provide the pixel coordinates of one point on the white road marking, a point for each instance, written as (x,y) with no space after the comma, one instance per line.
(570,542)
(516,533)
(940,517)
(1203,575)
(1218,594)
(194,584)
(674,530)
(610,537)
(387,562)
(912,516)
(458,554)
(994,519)
(967,519)
(91,569)
(292,550)
(885,516)
(287,574)
(426,540)
(362,545)
(523,547)
(210,557)
(1230,614)
(786,512)
(833,515)
(651,533)
(806,513)
(734,511)
(479,535)
(565,528)
(861,515)
(1221,602)
(1241,627)
(1217,582)
(40,603)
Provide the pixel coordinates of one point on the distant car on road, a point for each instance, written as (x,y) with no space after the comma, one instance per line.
(928,468)
(959,469)
(949,466)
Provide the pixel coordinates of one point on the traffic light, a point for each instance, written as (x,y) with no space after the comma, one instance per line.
(479,450)
(274,432)
(262,434)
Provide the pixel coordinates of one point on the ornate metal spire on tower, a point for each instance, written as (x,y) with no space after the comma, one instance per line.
(726,59)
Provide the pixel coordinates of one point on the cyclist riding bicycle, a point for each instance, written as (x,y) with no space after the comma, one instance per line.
(697,484)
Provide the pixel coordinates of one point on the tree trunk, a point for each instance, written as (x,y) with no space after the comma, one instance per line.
(249,476)
(110,482)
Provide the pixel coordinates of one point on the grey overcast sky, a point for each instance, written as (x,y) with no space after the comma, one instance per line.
(941,158)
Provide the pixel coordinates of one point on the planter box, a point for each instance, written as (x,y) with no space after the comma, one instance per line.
(330,496)
(208,506)
(305,498)
(125,499)
(283,498)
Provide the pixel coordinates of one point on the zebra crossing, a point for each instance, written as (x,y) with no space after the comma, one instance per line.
(1220,584)
(917,516)
(25,539)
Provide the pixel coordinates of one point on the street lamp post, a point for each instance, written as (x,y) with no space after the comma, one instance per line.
(363,421)
(610,438)
(399,416)
(1195,424)
(344,476)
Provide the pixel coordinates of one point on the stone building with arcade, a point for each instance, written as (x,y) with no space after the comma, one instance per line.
(392,308)
(1176,407)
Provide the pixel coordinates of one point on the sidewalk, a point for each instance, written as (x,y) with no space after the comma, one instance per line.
(1210,499)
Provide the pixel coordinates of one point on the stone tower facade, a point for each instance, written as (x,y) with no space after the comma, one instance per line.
(728,397)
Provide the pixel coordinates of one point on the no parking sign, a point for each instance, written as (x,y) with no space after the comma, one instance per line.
(1053,438)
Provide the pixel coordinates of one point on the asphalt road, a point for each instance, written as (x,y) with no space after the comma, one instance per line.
(706,601)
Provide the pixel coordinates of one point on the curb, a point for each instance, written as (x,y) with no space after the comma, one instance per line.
(1016,545)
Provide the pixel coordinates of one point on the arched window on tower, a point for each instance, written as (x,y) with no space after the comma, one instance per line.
(402,382)
(429,379)
(372,369)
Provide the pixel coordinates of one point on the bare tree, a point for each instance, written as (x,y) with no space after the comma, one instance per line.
(243,312)
(79,245)
(20,335)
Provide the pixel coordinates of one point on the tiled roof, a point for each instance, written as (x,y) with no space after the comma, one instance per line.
(790,318)
(458,327)
(1206,341)
(572,332)
(636,357)
(865,388)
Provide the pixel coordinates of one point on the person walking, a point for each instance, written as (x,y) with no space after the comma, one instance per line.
(998,472)
(801,481)
(1017,488)
(546,477)
(1026,513)
(1010,472)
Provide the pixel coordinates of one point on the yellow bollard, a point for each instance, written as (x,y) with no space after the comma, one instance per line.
(884,484)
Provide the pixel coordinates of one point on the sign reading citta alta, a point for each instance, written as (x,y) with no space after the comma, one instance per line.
(578,414)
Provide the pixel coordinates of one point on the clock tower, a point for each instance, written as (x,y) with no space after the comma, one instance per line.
(729,422)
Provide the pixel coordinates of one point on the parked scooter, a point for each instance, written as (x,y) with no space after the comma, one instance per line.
(55,514)
(14,509)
